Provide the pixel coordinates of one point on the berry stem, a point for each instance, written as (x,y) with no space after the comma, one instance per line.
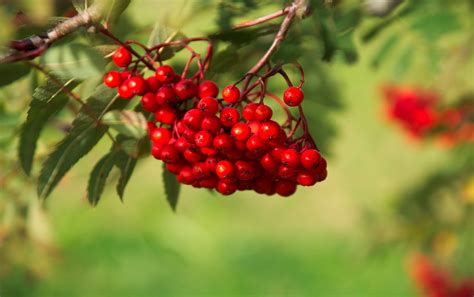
(263,19)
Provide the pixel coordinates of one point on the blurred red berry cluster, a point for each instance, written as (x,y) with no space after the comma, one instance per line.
(434,281)
(422,115)
(228,142)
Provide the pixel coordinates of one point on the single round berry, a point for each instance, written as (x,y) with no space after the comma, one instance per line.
(293,96)
(182,144)
(169,154)
(153,84)
(263,185)
(166,96)
(124,91)
(223,142)
(122,57)
(185,89)
(165,115)
(240,131)
(255,144)
(193,155)
(310,158)
(186,175)
(226,187)
(208,88)
(263,113)
(200,171)
(245,170)
(137,85)
(193,119)
(211,124)
(225,169)
(150,127)
(306,178)
(208,105)
(231,94)
(113,79)
(269,130)
(174,168)
(285,188)
(286,172)
(291,158)
(161,136)
(268,163)
(229,116)
(149,103)
(248,112)
(156,151)
(203,138)
(165,74)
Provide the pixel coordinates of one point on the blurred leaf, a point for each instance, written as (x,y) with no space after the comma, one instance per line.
(126,165)
(83,136)
(106,49)
(98,178)
(128,123)
(404,61)
(15,71)
(384,50)
(161,34)
(74,60)
(172,188)
(433,26)
(79,5)
(47,101)
(112,9)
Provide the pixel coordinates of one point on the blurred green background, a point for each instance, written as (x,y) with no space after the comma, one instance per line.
(343,237)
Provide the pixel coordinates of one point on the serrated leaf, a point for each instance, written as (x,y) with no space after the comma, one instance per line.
(126,164)
(74,60)
(47,101)
(12,72)
(83,136)
(384,50)
(172,188)
(98,178)
(128,123)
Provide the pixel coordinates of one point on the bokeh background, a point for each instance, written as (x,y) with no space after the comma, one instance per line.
(387,198)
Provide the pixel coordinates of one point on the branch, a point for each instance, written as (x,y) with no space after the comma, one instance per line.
(263,19)
(34,46)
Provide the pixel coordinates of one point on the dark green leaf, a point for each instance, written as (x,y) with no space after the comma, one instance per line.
(12,72)
(83,136)
(98,178)
(47,101)
(433,26)
(126,164)
(128,123)
(172,188)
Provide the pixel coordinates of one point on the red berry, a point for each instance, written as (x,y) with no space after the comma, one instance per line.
(182,144)
(211,124)
(174,168)
(229,116)
(285,188)
(268,163)
(186,175)
(306,178)
(185,89)
(245,170)
(254,127)
(209,182)
(169,154)
(263,113)
(208,105)
(248,112)
(166,96)
(124,91)
(137,85)
(291,158)
(165,73)
(240,131)
(153,84)
(208,89)
(188,134)
(193,119)
(310,158)
(263,185)
(293,96)
(193,155)
(225,169)
(165,115)
(149,102)
(122,57)
(226,187)
(156,151)
(113,79)
(200,171)
(223,142)
(269,130)
(150,127)
(231,94)
(203,138)
(286,172)
(276,153)
(255,144)
(161,136)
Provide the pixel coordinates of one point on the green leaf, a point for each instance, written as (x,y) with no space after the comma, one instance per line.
(434,26)
(74,60)
(128,123)
(47,101)
(161,34)
(83,136)
(112,9)
(172,188)
(384,50)
(98,178)
(404,61)
(12,72)
(126,164)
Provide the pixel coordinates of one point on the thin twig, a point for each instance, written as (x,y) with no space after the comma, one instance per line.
(263,19)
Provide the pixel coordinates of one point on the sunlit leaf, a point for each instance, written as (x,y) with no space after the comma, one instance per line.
(127,122)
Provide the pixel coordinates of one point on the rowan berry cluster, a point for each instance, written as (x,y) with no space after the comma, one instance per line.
(421,114)
(225,140)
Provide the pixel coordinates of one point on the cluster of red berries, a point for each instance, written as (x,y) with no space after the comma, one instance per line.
(436,282)
(420,114)
(226,142)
